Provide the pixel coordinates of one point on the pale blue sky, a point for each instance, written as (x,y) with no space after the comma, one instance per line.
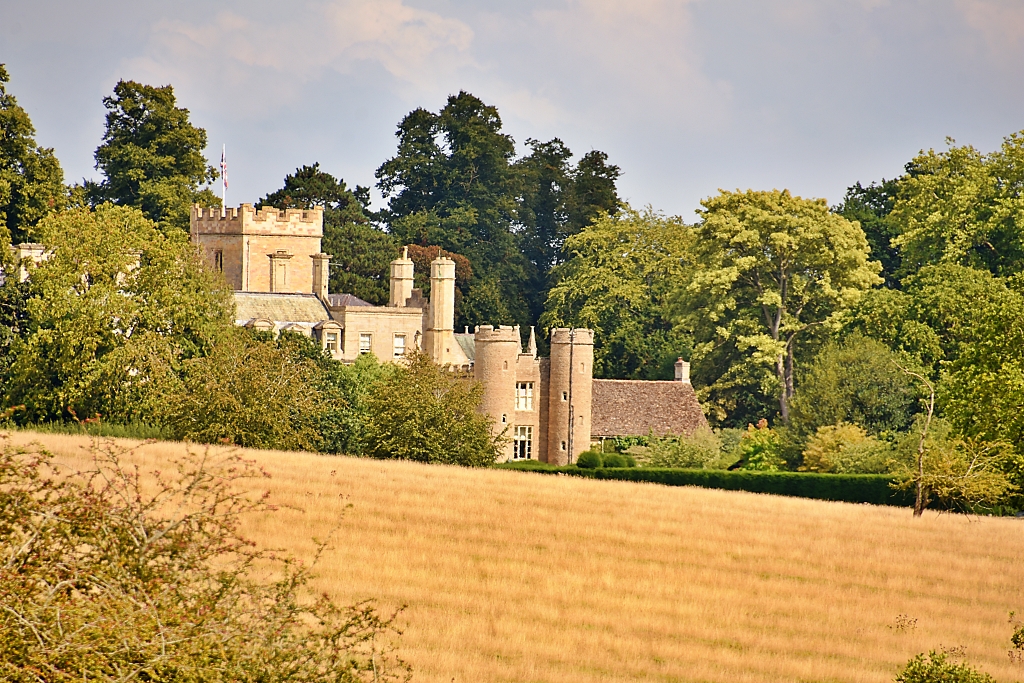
(687,96)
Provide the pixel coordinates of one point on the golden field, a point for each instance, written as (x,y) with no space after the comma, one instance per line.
(512,576)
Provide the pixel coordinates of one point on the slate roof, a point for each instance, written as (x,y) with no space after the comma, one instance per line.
(628,407)
(338,300)
(467,342)
(280,308)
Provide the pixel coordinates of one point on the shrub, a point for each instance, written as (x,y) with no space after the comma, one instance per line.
(614,460)
(701,450)
(937,668)
(423,412)
(760,448)
(590,460)
(845,449)
(115,578)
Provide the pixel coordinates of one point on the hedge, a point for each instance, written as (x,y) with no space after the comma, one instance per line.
(848,488)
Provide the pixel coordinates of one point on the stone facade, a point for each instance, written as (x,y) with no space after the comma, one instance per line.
(272,259)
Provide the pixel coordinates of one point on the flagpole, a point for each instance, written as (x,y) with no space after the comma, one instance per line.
(224,179)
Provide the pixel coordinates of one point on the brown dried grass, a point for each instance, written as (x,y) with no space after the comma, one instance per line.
(525,577)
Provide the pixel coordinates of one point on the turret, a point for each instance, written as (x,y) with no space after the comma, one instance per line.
(495,369)
(570,387)
(401,280)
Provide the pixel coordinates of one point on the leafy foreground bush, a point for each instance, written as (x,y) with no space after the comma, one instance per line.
(104,577)
(589,460)
(937,668)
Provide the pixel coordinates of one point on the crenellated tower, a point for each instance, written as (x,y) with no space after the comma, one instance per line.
(570,391)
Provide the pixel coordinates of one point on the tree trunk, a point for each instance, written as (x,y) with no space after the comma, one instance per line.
(780,372)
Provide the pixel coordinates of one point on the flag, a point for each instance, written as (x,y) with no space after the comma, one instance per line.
(224,165)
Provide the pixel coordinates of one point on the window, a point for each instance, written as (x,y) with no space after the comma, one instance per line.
(522,443)
(365,342)
(331,342)
(218,260)
(399,349)
(524,396)
(504,418)
(563,445)
(565,395)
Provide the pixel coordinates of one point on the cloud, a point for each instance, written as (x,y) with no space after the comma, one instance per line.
(1000,23)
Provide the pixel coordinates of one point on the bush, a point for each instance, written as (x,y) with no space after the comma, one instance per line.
(936,668)
(845,449)
(701,450)
(590,460)
(760,448)
(112,577)
(614,460)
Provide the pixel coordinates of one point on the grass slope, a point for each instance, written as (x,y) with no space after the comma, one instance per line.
(512,576)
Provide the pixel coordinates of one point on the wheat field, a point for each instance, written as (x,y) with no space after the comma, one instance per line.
(512,576)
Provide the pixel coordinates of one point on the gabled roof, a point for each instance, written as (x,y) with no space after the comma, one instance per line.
(339,300)
(281,308)
(629,407)
(467,342)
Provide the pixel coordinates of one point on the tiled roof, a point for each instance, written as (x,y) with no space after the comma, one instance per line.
(338,300)
(467,342)
(280,308)
(628,407)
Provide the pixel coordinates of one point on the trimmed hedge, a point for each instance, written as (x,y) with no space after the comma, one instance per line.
(848,488)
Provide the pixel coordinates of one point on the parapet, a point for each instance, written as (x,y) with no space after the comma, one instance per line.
(246,220)
(503,333)
(578,336)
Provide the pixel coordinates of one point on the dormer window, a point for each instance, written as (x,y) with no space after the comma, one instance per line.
(331,342)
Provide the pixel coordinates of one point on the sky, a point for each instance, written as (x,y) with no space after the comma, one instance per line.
(686,96)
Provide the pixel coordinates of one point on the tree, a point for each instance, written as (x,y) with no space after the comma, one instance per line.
(854,381)
(423,412)
(152,156)
(31,180)
(361,252)
(557,201)
(964,207)
(451,184)
(618,279)
(115,307)
(870,206)
(113,576)
(770,269)
(845,449)
(422,256)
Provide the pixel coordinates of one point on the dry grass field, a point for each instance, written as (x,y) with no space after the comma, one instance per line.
(512,576)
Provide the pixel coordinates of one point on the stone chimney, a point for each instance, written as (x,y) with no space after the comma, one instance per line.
(321,274)
(401,280)
(682,371)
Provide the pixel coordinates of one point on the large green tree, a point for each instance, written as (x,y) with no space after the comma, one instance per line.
(770,270)
(451,184)
(116,307)
(618,280)
(962,206)
(361,251)
(152,156)
(31,180)
(870,206)
(557,200)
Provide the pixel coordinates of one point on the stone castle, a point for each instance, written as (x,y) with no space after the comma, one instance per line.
(552,409)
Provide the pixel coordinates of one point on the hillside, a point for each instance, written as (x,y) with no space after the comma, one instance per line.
(522,577)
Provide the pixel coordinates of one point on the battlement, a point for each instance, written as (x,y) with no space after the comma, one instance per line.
(246,220)
(578,336)
(503,333)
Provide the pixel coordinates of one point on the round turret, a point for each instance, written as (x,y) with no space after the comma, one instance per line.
(495,368)
(570,388)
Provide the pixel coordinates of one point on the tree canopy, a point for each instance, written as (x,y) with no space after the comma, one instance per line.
(31,180)
(152,156)
(770,270)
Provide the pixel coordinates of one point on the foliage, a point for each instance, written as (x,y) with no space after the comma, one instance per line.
(31,180)
(957,472)
(618,280)
(870,206)
(761,448)
(422,256)
(423,412)
(615,460)
(451,184)
(117,578)
(115,308)
(845,449)
(962,206)
(247,392)
(152,156)
(361,252)
(854,381)
(770,269)
(701,450)
(937,667)
(590,460)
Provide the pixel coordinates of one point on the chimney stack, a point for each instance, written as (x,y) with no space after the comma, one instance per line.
(682,371)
